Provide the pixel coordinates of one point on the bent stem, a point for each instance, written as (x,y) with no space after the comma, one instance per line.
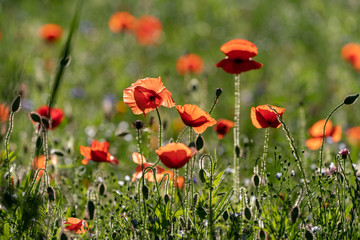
(237,134)
(7,141)
(296,155)
(323,137)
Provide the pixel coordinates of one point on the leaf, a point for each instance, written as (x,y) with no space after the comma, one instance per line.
(219,179)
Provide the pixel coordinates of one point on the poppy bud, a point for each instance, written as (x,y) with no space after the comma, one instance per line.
(91,209)
(51,194)
(139,124)
(218,92)
(45,121)
(166,198)
(248,214)
(351,99)
(145,191)
(101,189)
(35,117)
(225,216)
(63,237)
(237,150)
(202,175)
(195,200)
(294,214)
(16,104)
(256,180)
(262,235)
(199,142)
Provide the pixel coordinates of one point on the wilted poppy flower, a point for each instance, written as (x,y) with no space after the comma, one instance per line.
(4,113)
(56,116)
(76,225)
(316,134)
(223,126)
(353,135)
(351,53)
(189,63)
(50,32)
(239,55)
(195,117)
(142,95)
(148,30)
(98,152)
(263,117)
(175,155)
(121,21)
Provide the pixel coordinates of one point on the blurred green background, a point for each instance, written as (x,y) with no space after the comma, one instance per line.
(299,44)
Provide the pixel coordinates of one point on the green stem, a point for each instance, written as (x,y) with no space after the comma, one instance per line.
(263,162)
(323,137)
(237,134)
(211,218)
(7,141)
(296,155)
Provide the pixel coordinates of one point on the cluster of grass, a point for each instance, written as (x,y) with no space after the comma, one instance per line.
(302,193)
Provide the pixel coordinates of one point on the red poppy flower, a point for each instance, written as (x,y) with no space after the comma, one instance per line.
(239,55)
(76,225)
(148,30)
(50,32)
(353,135)
(56,116)
(175,155)
(351,53)
(195,117)
(223,126)
(263,117)
(4,113)
(189,63)
(142,164)
(142,94)
(98,152)
(121,21)
(316,134)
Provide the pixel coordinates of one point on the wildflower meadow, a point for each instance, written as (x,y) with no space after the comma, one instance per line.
(152,119)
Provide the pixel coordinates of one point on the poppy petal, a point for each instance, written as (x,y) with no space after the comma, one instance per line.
(314,143)
(239,49)
(317,129)
(336,134)
(238,66)
(138,158)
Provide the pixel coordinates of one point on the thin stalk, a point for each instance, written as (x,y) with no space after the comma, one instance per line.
(296,155)
(237,134)
(7,141)
(187,187)
(211,218)
(263,162)
(323,137)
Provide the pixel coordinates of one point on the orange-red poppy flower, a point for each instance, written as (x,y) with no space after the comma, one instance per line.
(76,225)
(353,135)
(50,32)
(140,160)
(316,134)
(56,116)
(148,30)
(263,117)
(142,95)
(98,152)
(223,126)
(121,21)
(239,55)
(4,113)
(189,63)
(195,117)
(175,155)
(351,53)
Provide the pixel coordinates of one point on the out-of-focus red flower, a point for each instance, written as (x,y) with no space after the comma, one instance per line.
(76,225)
(175,155)
(56,116)
(179,182)
(189,63)
(140,160)
(263,117)
(351,53)
(121,21)
(50,32)
(316,134)
(142,95)
(223,126)
(195,117)
(148,30)
(98,152)
(353,136)
(4,112)
(38,163)
(239,55)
